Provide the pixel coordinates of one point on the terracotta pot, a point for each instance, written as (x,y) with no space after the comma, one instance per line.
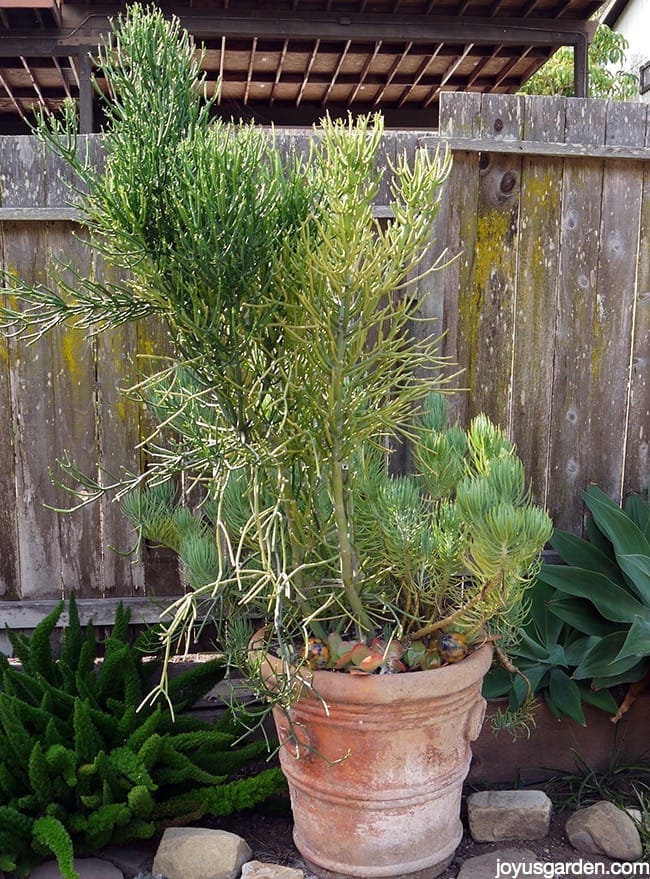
(376,765)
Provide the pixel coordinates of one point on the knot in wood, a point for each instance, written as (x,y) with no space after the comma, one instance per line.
(508,182)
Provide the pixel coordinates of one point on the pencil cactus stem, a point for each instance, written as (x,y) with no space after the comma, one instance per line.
(347,555)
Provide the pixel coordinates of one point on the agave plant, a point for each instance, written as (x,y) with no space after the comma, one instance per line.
(546,653)
(603,590)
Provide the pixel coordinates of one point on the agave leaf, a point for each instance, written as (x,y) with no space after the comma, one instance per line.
(576,651)
(633,674)
(581,615)
(496,683)
(601,660)
(565,694)
(637,568)
(531,649)
(637,643)
(639,511)
(555,711)
(616,525)
(547,625)
(596,537)
(602,699)
(613,602)
(535,675)
(579,553)
(557,656)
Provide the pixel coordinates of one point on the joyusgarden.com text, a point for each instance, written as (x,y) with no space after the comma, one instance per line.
(581,867)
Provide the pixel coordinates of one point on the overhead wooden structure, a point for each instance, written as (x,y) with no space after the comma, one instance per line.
(289,62)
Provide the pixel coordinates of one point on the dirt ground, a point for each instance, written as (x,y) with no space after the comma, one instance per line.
(269,834)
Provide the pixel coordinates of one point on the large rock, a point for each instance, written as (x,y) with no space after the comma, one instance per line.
(200,853)
(490,865)
(260,870)
(508,814)
(604,829)
(87,868)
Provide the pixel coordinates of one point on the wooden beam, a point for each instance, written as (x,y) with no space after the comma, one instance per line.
(581,69)
(28,614)
(85,92)
(535,148)
(276,25)
(32,215)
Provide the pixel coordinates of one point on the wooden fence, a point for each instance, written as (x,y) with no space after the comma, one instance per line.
(545,304)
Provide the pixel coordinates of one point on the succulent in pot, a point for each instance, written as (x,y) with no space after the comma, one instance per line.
(294,370)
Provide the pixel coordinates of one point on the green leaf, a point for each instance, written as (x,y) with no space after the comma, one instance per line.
(579,553)
(577,650)
(535,675)
(630,676)
(602,699)
(582,616)
(626,537)
(639,511)
(601,660)
(557,656)
(637,568)
(546,623)
(565,694)
(613,602)
(531,649)
(637,643)
(497,682)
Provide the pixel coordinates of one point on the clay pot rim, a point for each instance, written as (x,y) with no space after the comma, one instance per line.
(388,687)
(329,683)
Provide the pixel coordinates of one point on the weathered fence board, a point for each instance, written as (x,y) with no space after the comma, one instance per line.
(581,256)
(535,316)
(119,453)
(544,301)
(637,438)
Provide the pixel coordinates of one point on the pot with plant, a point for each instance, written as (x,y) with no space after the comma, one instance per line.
(378,597)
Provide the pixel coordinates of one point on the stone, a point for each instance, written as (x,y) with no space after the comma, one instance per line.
(131,858)
(636,815)
(497,864)
(508,814)
(87,868)
(200,853)
(604,829)
(260,870)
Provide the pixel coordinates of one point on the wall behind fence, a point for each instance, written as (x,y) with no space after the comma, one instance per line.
(545,306)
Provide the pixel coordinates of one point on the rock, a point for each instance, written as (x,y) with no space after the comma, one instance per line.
(492,864)
(200,853)
(636,815)
(508,814)
(259,870)
(131,858)
(604,829)
(87,868)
